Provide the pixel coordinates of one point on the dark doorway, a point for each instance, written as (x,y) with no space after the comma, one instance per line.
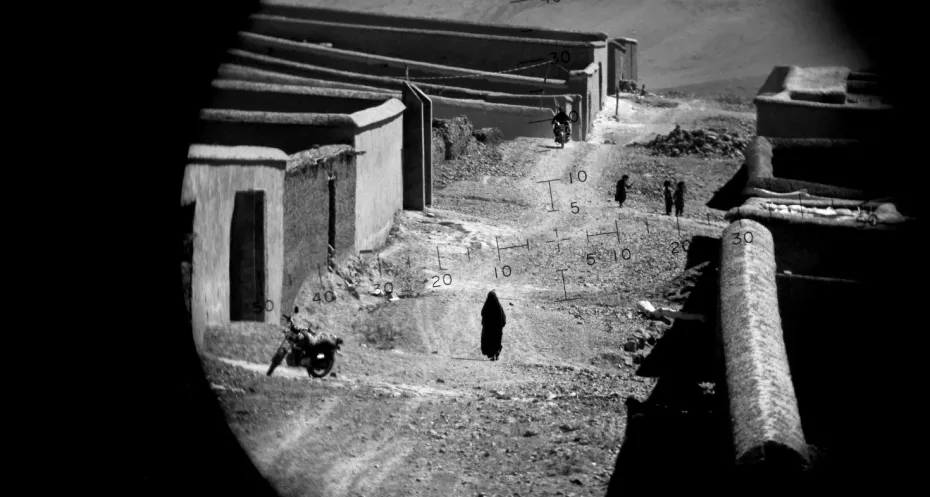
(331,240)
(247,258)
(600,85)
(186,232)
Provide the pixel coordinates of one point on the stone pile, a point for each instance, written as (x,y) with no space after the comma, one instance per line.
(713,142)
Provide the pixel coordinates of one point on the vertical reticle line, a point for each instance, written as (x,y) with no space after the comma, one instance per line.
(617,230)
(498,248)
(564,289)
(551,198)
(677,223)
(439,259)
(380,274)
(319,273)
(468,251)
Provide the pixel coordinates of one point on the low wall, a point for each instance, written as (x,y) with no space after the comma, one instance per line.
(307,213)
(362,62)
(211,180)
(513,121)
(246,95)
(811,102)
(782,118)
(579,84)
(766,421)
(297,10)
(380,185)
(291,133)
(234,72)
(833,162)
(476,51)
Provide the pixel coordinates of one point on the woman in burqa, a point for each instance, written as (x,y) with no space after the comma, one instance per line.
(492,326)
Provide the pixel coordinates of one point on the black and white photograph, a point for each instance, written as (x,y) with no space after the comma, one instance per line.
(549,248)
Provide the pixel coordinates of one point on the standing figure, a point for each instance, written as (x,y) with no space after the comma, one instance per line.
(668,198)
(492,326)
(622,185)
(680,199)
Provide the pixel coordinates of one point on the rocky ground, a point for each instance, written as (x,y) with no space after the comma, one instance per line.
(574,406)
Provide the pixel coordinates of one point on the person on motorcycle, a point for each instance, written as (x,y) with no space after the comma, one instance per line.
(561,119)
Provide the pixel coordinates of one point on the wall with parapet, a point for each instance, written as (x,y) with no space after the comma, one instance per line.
(811,102)
(234,72)
(212,178)
(476,51)
(359,61)
(580,81)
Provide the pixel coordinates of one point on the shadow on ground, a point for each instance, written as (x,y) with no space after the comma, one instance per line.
(682,429)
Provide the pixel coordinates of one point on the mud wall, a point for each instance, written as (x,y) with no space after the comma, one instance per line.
(476,51)
(307,214)
(766,421)
(380,185)
(621,62)
(783,118)
(234,72)
(211,180)
(513,121)
(415,160)
(823,167)
(360,61)
(268,97)
(291,133)
(579,83)
(290,8)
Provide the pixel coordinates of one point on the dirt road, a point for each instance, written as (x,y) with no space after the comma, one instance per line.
(413,408)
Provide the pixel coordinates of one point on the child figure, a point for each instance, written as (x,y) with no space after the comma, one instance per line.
(680,199)
(622,185)
(668,198)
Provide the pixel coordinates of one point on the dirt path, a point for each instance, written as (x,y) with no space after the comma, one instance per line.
(432,416)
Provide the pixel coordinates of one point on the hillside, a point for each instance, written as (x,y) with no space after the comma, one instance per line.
(712,46)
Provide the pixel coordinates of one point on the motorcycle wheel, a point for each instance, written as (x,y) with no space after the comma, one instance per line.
(321,366)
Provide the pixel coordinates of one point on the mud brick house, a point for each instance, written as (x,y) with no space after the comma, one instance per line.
(232,204)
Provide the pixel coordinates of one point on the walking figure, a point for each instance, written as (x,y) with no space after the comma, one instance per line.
(680,199)
(622,185)
(668,198)
(493,320)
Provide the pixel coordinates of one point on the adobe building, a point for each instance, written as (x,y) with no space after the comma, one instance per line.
(382,50)
(232,205)
(373,129)
(822,102)
(820,234)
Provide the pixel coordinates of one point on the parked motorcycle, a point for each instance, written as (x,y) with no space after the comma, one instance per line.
(561,135)
(301,348)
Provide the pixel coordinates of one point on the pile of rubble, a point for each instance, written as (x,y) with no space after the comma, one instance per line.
(461,152)
(713,142)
